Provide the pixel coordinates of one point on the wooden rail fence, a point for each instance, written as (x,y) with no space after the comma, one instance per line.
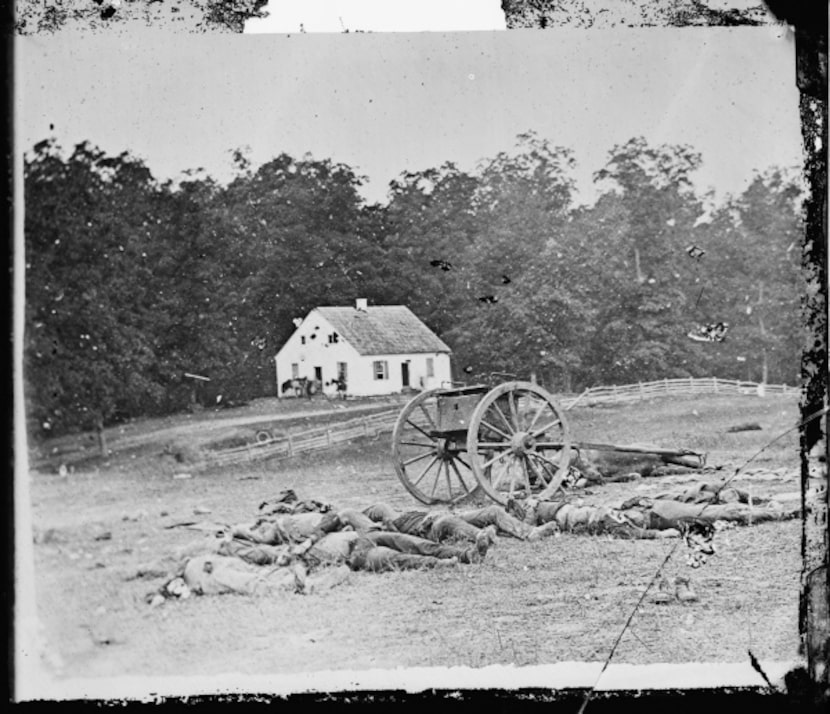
(667,387)
(319,438)
(376,424)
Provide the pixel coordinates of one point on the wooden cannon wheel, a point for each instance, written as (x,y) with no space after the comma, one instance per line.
(431,465)
(517,442)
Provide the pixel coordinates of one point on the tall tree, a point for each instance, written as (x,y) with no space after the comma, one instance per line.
(642,310)
(517,316)
(432,224)
(293,234)
(88,271)
(753,279)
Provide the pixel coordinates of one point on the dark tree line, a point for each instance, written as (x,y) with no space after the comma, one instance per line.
(131,283)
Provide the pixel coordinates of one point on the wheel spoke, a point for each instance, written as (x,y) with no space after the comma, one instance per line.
(555,484)
(447,475)
(493,444)
(458,473)
(525,469)
(498,431)
(538,474)
(497,480)
(412,423)
(515,463)
(469,468)
(488,464)
(418,443)
(538,432)
(537,415)
(504,419)
(429,418)
(428,467)
(418,458)
(437,479)
(514,412)
(543,463)
(545,459)
(524,411)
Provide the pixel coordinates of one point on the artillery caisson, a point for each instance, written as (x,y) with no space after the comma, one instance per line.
(507,442)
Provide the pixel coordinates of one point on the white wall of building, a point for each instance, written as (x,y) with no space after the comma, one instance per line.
(363,378)
(301,358)
(315,352)
(441,371)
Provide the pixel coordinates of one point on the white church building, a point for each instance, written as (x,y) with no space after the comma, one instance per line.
(378,350)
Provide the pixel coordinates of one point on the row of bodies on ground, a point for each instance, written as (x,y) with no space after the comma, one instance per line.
(307,546)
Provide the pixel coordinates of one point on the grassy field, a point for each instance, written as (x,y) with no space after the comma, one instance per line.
(565,598)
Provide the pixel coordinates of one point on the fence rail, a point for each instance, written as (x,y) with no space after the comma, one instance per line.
(376,424)
(683,385)
(318,438)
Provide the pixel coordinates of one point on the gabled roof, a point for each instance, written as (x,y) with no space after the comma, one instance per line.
(384,329)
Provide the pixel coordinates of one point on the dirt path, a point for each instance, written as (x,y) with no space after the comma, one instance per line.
(199,429)
(203,427)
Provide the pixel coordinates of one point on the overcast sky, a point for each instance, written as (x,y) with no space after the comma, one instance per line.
(379,16)
(386,103)
(442,15)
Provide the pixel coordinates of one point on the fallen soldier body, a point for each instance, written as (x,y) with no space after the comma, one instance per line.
(320,562)
(703,492)
(644,517)
(323,564)
(287,502)
(444,526)
(608,465)
(267,541)
(385,550)
(436,526)
(667,513)
(221,574)
(569,515)
(284,529)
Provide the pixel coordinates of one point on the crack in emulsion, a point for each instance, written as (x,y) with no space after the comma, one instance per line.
(753,661)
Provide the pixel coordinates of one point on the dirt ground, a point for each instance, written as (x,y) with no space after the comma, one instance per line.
(565,598)
(204,428)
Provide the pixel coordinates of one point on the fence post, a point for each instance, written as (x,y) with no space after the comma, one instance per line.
(691,383)
(328,436)
(715,384)
(614,386)
(666,385)
(290,446)
(365,426)
(640,384)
